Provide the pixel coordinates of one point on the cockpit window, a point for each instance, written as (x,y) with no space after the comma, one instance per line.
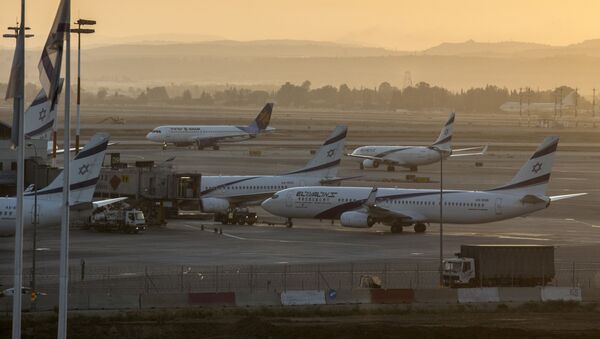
(275,196)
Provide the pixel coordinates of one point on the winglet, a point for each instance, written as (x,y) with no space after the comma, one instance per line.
(371,199)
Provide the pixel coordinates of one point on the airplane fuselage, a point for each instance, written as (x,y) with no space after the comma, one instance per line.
(252,190)
(407,156)
(459,207)
(186,135)
(48,211)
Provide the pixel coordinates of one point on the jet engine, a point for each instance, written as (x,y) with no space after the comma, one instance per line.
(214,205)
(368,163)
(356,220)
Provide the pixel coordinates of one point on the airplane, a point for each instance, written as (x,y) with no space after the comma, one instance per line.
(211,135)
(220,194)
(516,107)
(362,207)
(413,156)
(85,171)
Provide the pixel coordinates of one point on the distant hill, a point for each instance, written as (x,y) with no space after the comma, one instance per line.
(473,48)
(241,49)
(273,62)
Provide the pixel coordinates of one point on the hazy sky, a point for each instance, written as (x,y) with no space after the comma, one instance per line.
(397,24)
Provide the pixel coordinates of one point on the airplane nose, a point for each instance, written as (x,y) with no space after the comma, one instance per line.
(268,205)
(149,136)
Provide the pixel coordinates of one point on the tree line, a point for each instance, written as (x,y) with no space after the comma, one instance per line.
(421,96)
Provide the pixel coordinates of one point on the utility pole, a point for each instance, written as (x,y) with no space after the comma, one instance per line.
(79,31)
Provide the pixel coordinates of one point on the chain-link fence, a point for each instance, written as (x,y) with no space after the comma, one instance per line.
(342,276)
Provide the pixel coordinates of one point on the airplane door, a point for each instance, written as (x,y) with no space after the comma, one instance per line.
(498,206)
(289,200)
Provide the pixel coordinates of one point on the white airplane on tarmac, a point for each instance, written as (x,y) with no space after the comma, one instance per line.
(516,107)
(210,135)
(85,170)
(413,156)
(362,207)
(220,194)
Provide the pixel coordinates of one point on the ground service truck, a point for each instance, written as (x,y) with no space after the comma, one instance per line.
(118,220)
(500,265)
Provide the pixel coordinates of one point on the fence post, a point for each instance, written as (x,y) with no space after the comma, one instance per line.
(385,276)
(318,279)
(217,278)
(146,287)
(82,269)
(251,280)
(351,276)
(285,278)
(181,280)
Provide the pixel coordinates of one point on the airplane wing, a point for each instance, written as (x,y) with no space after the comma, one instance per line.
(101,203)
(533,199)
(380,160)
(95,204)
(565,196)
(482,152)
(72,149)
(383,213)
(241,199)
(335,181)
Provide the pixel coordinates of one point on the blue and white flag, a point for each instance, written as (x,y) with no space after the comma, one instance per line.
(15,80)
(51,60)
(40,119)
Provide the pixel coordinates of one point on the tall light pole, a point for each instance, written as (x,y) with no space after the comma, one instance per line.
(34,222)
(16,91)
(79,31)
(441,268)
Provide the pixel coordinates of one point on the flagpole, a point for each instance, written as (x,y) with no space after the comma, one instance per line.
(64,230)
(19,105)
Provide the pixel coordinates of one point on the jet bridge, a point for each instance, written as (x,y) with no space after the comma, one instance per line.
(149,183)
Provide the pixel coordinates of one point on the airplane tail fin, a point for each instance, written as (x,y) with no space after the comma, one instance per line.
(534,176)
(569,100)
(444,140)
(261,122)
(326,161)
(84,173)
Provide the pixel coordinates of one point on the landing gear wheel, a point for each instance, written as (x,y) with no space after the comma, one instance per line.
(420,228)
(413,169)
(289,223)
(396,229)
(241,221)
(362,167)
(164,146)
(391,168)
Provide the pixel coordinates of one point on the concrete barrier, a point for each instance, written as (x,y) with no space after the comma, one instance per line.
(392,296)
(309,297)
(437,296)
(590,294)
(519,294)
(552,293)
(212,299)
(262,298)
(114,301)
(78,301)
(478,295)
(176,300)
(358,296)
